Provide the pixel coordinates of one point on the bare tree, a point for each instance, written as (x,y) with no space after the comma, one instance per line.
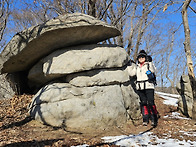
(145,21)
(91,8)
(132,17)
(142,14)
(115,13)
(171,48)
(130,39)
(4,14)
(187,49)
(168,62)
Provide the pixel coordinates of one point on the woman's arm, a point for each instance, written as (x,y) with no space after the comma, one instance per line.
(152,67)
(132,69)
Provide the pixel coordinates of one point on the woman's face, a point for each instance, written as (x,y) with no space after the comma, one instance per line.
(142,59)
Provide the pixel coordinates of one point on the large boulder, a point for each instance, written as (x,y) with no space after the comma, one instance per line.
(185,103)
(76,108)
(30,45)
(77,59)
(7,90)
(131,101)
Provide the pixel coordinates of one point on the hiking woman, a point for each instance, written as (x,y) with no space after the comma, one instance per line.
(145,85)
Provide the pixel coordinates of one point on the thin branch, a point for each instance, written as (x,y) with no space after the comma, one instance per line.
(192,9)
(106,9)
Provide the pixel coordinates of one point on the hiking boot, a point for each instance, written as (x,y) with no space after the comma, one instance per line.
(154,115)
(154,124)
(154,120)
(145,123)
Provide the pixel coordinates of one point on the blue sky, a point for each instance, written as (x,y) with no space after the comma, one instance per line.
(170,17)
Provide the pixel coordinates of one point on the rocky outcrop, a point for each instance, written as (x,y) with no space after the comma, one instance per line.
(185,103)
(80,84)
(11,84)
(76,59)
(6,89)
(29,46)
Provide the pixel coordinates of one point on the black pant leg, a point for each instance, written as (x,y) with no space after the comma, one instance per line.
(151,106)
(143,105)
(150,96)
(143,97)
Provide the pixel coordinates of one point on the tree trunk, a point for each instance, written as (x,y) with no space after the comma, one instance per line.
(91,8)
(168,61)
(188,55)
(144,23)
(120,26)
(130,43)
(139,37)
(4,14)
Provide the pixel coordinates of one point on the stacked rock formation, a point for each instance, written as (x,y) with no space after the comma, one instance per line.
(185,103)
(81,84)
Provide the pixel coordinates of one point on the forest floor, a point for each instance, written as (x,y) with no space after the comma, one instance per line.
(18,129)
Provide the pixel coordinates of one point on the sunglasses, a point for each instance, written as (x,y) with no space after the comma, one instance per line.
(141,57)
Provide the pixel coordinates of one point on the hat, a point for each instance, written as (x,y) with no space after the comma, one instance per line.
(141,53)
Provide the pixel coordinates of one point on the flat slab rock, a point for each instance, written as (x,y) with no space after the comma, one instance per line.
(77,59)
(30,45)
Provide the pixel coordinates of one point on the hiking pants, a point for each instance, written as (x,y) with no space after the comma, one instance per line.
(148,107)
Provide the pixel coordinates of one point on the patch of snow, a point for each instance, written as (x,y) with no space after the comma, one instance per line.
(170,101)
(146,139)
(175,115)
(169,98)
(84,145)
(168,94)
(189,133)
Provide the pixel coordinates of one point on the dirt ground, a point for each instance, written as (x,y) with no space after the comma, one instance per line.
(18,129)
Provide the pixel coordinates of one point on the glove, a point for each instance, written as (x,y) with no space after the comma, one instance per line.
(150,75)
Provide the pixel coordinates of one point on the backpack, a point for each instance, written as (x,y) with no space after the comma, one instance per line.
(148,58)
(151,76)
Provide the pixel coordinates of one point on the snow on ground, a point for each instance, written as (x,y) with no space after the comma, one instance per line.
(146,140)
(170,99)
(167,94)
(175,115)
(149,140)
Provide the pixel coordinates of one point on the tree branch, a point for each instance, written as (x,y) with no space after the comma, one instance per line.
(192,9)
(106,9)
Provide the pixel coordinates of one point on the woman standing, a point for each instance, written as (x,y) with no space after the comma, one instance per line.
(145,85)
